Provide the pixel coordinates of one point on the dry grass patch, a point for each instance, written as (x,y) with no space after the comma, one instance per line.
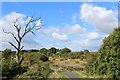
(69,63)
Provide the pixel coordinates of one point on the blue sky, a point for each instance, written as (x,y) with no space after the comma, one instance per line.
(55,10)
(75,25)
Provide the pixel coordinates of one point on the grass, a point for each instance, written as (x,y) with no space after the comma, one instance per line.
(59,66)
(60,75)
(79,74)
(82,74)
(69,63)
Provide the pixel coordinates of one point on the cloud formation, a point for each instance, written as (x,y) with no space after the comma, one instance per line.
(102,19)
(75,29)
(61,37)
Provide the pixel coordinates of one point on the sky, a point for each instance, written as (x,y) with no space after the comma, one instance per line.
(75,25)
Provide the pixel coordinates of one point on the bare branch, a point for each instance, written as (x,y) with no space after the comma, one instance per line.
(13,45)
(35,20)
(33,33)
(14,24)
(29,21)
(11,34)
(30,29)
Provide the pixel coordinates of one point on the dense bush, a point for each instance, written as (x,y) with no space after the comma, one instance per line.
(74,55)
(86,51)
(51,51)
(65,50)
(33,50)
(81,52)
(24,51)
(10,69)
(41,70)
(43,58)
(32,58)
(43,51)
(108,63)
(7,54)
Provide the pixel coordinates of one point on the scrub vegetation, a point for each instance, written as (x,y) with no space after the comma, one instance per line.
(51,63)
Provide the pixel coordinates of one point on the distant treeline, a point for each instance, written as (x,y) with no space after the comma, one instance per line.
(50,51)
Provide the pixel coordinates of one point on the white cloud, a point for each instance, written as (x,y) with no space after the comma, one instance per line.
(102,19)
(85,39)
(6,24)
(60,36)
(86,43)
(75,29)
(93,35)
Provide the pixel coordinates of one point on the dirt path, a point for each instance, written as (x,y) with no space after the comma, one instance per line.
(72,76)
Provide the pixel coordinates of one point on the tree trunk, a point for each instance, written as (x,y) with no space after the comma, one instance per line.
(18,58)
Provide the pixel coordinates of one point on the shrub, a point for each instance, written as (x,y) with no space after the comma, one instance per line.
(61,59)
(38,71)
(9,70)
(43,58)
(65,50)
(7,54)
(108,62)
(43,51)
(86,51)
(81,52)
(33,50)
(52,50)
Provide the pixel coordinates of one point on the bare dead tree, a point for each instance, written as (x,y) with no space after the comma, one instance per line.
(27,29)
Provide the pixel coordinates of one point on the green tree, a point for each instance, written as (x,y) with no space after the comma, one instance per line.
(110,54)
(51,51)
(86,51)
(65,50)
(43,50)
(109,59)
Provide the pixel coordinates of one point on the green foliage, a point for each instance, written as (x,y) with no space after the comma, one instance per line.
(86,51)
(43,51)
(7,54)
(24,51)
(77,55)
(108,63)
(51,51)
(65,50)
(33,50)
(41,70)
(81,52)
(32,58)
(43,58)
(10,69)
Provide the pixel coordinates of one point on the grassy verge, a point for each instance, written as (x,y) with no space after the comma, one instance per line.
(79,74)
(60,75)
(82,74)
